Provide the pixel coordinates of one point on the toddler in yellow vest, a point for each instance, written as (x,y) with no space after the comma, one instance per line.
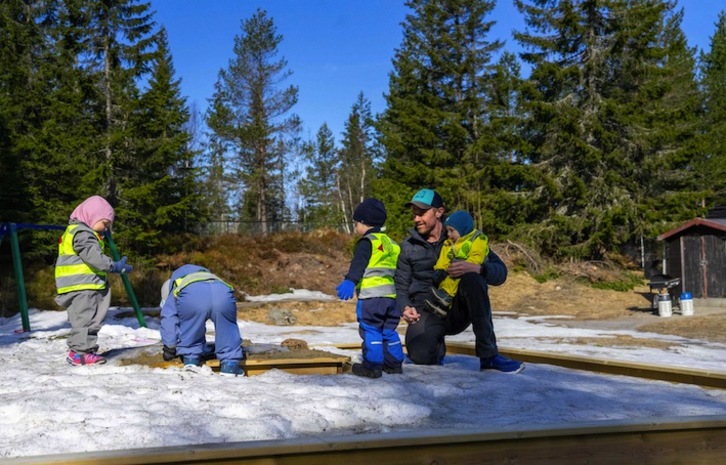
(370,275)
(81,277)
(463,242)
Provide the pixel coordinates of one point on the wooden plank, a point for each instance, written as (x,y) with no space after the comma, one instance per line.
(300,366)
(715,379)
(695,440)
(705,378)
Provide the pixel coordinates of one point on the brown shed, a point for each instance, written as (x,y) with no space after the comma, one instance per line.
(696,252)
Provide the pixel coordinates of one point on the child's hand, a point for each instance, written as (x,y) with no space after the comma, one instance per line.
(121,266)
(168,353)
(345,289)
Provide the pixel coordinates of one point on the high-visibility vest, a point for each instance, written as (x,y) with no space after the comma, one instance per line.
(184,281)
(377,279)
(71,272)
(462,248)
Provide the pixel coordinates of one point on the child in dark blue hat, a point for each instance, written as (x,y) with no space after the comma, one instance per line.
(371,275)
(463,242)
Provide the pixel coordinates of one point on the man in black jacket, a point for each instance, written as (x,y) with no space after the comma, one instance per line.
(425,335)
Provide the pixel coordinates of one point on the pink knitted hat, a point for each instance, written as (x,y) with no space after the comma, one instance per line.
(92,210)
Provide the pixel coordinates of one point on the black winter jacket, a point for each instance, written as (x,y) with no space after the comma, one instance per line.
(415,270)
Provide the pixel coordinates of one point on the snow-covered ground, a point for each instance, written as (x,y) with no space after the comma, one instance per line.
(50,407)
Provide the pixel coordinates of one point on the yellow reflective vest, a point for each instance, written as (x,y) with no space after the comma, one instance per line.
(377,279)
(473,248)
(71,272)
(184,281)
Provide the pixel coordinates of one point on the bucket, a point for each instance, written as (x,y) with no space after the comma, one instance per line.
(686,304)
(665,307)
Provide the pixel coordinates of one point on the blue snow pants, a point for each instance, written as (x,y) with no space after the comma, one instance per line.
(377,322)
(208,300)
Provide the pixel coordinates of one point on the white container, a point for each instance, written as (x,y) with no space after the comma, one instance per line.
(665,307)
(686,304)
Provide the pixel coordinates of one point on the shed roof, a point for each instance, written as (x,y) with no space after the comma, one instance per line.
(718,224)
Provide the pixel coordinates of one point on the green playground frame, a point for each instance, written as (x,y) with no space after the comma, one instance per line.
(11,229)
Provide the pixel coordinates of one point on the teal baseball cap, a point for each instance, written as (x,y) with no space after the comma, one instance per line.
(426,199)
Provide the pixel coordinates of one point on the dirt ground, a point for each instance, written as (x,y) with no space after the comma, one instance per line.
(520,296)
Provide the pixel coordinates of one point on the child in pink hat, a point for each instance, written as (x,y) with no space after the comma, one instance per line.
(81,277)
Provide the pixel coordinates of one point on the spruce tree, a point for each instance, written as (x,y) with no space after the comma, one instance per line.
(610,103)
(320,207)
(160,194)
(121,44)
(437,108)
(713,82)
(250,116)
(355,171)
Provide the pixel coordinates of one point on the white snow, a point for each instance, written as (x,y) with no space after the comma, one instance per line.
(50,407)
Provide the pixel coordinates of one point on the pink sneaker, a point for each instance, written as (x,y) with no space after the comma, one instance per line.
(80,358)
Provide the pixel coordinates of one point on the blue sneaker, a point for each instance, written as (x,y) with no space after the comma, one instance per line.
(192,360)
(231,368)
(501,363)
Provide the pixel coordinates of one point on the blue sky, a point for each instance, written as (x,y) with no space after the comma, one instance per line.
(335,48)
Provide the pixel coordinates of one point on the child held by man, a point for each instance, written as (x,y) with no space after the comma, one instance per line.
(370,275)
(463,242)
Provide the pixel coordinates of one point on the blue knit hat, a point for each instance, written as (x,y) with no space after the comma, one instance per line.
(461,221)
(370,212)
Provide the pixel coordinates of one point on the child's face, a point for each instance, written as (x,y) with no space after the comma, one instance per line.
(453,234)
(360,228)
(101,226)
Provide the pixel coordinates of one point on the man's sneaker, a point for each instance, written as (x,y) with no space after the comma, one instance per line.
(501,363)
(192,360)
(437,309)
(393,370)
(80,358)
(360,370)
(231,368)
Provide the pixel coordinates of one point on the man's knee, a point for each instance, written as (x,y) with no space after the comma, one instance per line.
(471,281)
(422,351)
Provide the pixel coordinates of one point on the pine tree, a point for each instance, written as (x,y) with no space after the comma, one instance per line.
(250,115)
(713,72)
(610,101)
(355,171)
(20,44)
(120,50)
(160,191)
(318,187)
(436,109)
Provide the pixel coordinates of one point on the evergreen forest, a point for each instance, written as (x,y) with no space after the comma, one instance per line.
(615,135)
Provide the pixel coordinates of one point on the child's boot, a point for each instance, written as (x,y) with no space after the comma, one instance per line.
(231,368)
(360,369)
(192,360)
(80,358)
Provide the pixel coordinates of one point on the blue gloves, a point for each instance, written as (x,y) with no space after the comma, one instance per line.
(345,290)
(121,266)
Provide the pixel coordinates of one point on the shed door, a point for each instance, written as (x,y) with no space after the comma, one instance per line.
(693,270)
(715,279)
(704,270)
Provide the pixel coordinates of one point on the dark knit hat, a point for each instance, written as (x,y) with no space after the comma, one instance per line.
(370,212)
(461,221)
(426,199)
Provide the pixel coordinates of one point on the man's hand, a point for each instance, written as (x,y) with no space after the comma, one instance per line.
(457,269)
(410,315)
